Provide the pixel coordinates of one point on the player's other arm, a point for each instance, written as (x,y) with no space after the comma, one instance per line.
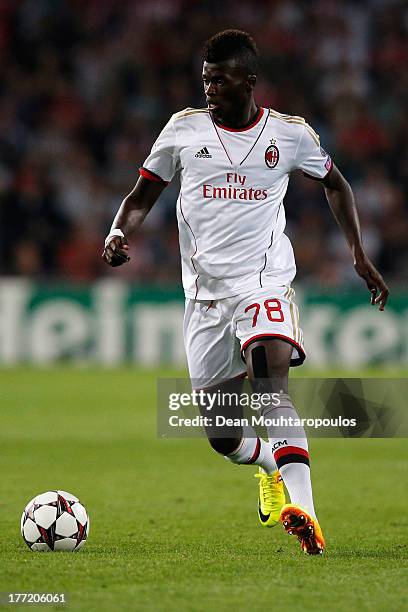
(129,218)
(341,200)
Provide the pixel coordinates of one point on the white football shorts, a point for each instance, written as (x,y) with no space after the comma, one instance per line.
(216,332)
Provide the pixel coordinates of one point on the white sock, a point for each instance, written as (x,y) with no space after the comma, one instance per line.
(296,477)
(290,449)
(254,450)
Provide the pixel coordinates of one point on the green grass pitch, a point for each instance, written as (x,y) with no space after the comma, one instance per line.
(174,526)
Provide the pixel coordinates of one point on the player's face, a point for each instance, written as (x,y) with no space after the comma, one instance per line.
(228,90)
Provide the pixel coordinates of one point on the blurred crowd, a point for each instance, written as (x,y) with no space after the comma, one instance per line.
(86,85)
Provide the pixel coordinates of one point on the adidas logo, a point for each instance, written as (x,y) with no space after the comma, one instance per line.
(203,153)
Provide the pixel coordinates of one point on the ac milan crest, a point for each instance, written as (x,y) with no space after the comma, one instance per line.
(271,156)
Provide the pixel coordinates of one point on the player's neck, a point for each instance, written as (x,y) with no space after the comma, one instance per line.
(242,119)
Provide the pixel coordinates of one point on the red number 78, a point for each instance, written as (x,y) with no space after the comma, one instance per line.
(273,309)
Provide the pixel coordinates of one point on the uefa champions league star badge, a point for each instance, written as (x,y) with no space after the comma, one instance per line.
(272,154)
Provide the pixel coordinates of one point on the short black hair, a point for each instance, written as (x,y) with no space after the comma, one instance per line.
(232,45)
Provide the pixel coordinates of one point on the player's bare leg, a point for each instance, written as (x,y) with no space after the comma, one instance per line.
(268,367)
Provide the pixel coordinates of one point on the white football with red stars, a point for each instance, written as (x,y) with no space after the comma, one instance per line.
(55,520)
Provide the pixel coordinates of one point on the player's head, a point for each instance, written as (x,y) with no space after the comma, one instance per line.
(229,71)
(234,45)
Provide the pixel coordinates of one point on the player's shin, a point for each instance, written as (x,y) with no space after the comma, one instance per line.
(253,450)
(290,449)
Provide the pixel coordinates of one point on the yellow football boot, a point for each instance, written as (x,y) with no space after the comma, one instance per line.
(271,497)
(300,523)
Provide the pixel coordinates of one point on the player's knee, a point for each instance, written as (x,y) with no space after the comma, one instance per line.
(224,446)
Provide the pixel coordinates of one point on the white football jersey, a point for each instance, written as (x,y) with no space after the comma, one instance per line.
(230,209)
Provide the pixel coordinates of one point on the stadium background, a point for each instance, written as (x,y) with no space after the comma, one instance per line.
(85,87)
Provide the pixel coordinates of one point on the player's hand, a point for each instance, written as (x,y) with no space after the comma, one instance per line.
(374,280)
(115,251)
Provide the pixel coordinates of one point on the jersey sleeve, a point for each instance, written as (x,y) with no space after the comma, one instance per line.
(310,156)
(163,161)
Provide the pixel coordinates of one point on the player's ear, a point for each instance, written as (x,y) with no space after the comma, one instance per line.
(251,81)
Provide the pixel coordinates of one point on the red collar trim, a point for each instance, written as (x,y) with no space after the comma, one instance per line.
(244,129)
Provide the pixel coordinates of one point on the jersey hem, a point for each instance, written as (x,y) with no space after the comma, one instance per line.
(192,295)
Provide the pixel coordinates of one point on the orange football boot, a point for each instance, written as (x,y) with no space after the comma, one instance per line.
(300,523)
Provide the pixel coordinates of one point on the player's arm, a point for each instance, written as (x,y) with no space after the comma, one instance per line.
(129,218)
(341,200)
(156,172)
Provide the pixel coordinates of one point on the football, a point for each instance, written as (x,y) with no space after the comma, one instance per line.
(55,520)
